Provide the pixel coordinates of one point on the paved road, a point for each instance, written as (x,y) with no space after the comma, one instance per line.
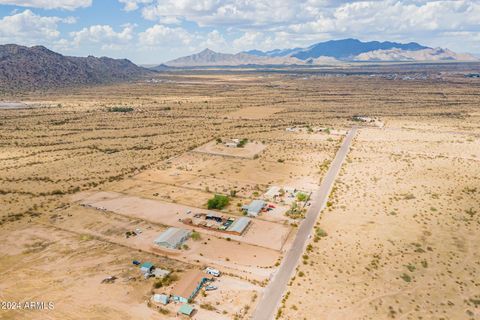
(270,300)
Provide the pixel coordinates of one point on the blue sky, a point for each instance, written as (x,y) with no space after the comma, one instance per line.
(155,31)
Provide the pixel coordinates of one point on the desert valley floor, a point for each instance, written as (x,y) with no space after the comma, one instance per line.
(90,177)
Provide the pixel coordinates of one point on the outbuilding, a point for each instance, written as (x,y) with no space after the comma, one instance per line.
(147,267)
(172,238)
(240,225)
(186,309)
(254,208)
(161,298)
(160,273)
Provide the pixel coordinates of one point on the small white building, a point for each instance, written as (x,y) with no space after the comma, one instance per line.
(231,143)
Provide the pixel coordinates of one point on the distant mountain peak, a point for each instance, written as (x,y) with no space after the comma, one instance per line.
(38,67)
(328,52)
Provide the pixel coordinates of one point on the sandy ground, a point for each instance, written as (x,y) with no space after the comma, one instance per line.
(47,265)
(53,249)
(260,233)
(253,113)
(401,233)
(249,151)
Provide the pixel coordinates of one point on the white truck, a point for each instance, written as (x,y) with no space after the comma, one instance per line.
(213,272)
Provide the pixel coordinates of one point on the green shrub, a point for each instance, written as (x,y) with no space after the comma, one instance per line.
(195,235)
(302,196)
(218,202)
(406,277)
(242,143)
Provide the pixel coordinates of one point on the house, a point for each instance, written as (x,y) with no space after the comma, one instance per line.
(254,208)
(147,267)
(172,238)
(240,225)
(186,309)
(189,285)
(161,298)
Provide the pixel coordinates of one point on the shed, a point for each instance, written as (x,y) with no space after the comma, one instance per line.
(189,285)
(254,208)
(240,225)
(161,298)
(147,267)
(160,273)
(214,216)
(186,309)
(172,238)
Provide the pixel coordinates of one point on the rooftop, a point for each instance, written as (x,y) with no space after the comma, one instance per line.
(239,225)
(172,236)
(147,265)
(255,206)
(186,309)
(188,283)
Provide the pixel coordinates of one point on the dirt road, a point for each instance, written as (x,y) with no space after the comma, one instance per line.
(270,300)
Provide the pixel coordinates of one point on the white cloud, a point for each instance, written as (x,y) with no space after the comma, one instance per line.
(160,35)
(215,41)
(230,12)
(28,28)
(393,17)
(50,4)
(104,35)
(131,5)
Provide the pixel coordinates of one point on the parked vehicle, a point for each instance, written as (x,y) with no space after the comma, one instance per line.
(213,272)
(210,288)
(136,262)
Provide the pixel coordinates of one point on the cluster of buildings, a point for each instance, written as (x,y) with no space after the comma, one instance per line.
(185,290)
(216,222)
(363,119)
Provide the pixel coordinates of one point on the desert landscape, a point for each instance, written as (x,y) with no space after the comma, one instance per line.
(91,176)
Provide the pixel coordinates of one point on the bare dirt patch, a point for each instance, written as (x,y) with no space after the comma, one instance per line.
(253,113)
(250,150)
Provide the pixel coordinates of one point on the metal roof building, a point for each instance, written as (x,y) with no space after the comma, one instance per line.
(240,225)
(172,238)
(147,267)
(189,285)
(254,208)
(186,309)
(161,298)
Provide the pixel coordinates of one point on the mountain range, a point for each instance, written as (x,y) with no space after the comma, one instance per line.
(329,52)
(40,68)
